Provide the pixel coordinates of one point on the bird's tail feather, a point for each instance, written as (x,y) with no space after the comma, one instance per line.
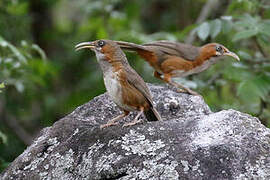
(152,115)
(130,46)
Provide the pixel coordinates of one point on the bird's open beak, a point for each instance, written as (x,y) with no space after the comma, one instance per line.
(229,53)
(84,45)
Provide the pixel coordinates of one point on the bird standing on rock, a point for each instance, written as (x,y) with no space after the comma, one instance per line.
(173,59)
(126,88)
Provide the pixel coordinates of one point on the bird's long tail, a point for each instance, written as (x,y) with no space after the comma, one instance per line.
(130,46)
(152,115)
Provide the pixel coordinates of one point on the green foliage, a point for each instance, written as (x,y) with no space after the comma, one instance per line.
(249,33)
(249,26)
(45,79)
(215,28)
(203,30)
(3,164)
(2,85)
(17,64)
(3,138)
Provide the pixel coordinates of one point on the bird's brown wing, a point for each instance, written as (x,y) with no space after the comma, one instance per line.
(175,63)
(185,51)
(136,81)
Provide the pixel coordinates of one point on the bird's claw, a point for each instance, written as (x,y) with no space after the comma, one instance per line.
(108,125)
(188,91)
(132,123)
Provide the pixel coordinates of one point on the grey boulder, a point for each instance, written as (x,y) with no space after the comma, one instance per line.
(191,143)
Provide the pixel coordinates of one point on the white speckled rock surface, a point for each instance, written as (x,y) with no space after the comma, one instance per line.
(191,143)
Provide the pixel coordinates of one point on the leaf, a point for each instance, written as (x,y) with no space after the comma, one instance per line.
(2,85)
(15,51)
(263,38)
(250,94)
(264,28)
(40,51)
(215,28)
(203,31)
(248,21)
(245,34)
(244,23)
(244,55)
(19,86)
(3,137)
(263,84)
(237,74)
(226,26)
(258,86)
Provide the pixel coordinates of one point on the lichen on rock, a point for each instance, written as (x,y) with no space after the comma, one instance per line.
(191,143)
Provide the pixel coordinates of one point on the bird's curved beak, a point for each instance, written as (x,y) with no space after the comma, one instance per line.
(232,54)
(84,45)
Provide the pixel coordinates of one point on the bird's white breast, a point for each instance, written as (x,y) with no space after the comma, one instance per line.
(113,86)
(114,89)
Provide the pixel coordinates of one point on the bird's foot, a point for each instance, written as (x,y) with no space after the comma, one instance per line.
(108,124)
(132,123)
(189,91)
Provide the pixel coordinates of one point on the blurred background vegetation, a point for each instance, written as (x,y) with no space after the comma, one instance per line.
(42,79)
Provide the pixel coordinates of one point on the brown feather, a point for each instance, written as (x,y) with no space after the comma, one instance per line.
(175,63)
(184,51)
(137,82)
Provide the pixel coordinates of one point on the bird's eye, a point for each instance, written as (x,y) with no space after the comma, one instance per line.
(219,49)
(101,43)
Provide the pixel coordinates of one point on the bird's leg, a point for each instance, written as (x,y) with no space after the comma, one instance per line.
(135,121)
(180,87)
(185,89)
(113,122)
